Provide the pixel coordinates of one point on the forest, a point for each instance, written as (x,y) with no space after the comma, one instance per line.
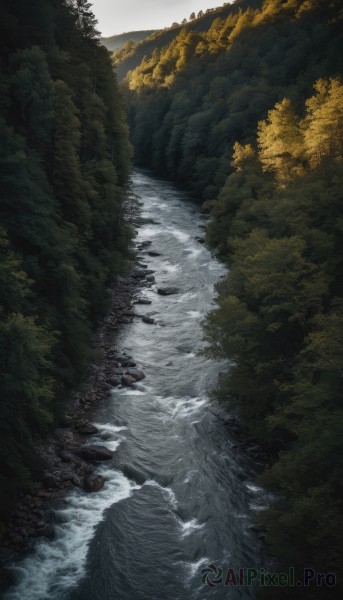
(64,166)
(248,115)
(243,107)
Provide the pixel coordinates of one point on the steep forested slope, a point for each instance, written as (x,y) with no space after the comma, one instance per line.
(116,42)
(64,161)
(193,98)
(249,115)
(131,56)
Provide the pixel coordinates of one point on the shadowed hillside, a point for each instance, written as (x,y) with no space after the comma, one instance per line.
(116,42)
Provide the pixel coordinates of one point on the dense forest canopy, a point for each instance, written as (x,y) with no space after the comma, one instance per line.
(64,165)
(193,98)
(248,114)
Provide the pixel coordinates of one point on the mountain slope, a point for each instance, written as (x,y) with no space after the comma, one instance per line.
(117,42)
(131,57)
(64,166)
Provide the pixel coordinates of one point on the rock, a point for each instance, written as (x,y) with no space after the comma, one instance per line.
(95,453)
(93,483)
(7,578)
(87,429)
(148,320)
(151,279)
(49,481)
(114,381)
(166,291)
(66,476)
(135,474)
(143,301)
(258,528)
(118,371)
(17,540)
(65,456)
(129,313)
(128,380)
(128,362)
(200,240)
(45,530)
(136,374)
(66,421)
(145,243)
(138,273)
(154,253)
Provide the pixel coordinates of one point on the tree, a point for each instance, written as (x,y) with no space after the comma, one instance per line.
(281,142)
(323,123)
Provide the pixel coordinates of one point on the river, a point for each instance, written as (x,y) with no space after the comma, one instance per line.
(179,496)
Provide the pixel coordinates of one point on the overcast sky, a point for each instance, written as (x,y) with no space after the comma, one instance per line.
(119,16)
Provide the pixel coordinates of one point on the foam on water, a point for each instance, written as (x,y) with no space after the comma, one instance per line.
(59,564)
(254,488)
(193,567)
(110,427)
(189,526)
(182,407)
(194,314)
(180,235)
(166,490)
(168,268)
(193,252)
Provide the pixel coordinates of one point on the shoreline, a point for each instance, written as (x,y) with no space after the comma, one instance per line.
(65,466)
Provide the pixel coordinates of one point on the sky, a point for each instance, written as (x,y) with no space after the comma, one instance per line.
(119,16)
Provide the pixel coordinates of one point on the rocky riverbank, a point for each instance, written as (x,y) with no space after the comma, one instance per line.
(68,458)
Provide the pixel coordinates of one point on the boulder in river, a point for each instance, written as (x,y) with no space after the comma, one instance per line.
(148,320)
(87,429)
(49,480)
(93,483)
(138,273)
(167,291)
(128,380)
(135,474)
(143,301)
(136,374)
(95,452)
(154,253)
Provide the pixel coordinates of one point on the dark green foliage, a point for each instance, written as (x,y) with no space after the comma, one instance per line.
(64,165)
(280,318)
(201,88)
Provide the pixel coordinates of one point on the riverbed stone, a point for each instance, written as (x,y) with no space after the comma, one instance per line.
(166,291)
(95,453)
(143,301)
(128,380)
(87,429)
(93,483)
(148,320)
(138,273)
(136,374)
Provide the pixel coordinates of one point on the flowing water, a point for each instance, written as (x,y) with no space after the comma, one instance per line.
(178,495)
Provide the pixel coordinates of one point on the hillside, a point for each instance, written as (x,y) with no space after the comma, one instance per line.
(130,57)
(64,166)
(116,42)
